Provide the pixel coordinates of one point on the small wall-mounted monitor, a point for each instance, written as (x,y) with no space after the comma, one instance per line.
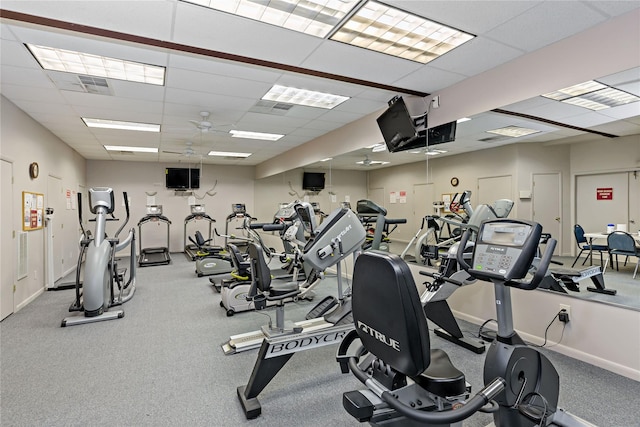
(399,128)
(441,134)
(182,178)
(313,181)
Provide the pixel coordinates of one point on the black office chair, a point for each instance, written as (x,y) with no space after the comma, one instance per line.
(583,245)
(622,243)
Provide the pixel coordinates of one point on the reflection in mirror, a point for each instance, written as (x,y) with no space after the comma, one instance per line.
(555,138)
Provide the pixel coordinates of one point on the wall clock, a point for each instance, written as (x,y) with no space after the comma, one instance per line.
(34,170)
(455,181)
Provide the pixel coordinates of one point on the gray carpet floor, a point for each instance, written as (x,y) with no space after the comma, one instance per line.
(162,365)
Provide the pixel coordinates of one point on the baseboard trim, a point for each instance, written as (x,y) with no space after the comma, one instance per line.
(28,300)
(568,351)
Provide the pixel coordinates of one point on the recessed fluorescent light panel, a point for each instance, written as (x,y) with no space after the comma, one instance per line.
(379,148)
(513,131)
(431,152)
(462,120)
(314,17)
(134,149)
(327,159)
(382,28)
(592,95)
(228,154)
(309,98)
(70,61)
(115,124)
(255,135)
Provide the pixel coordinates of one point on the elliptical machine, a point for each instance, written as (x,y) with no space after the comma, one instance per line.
(504,254)
(101,273)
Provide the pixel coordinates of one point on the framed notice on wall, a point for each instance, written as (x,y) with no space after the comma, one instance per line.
(32,211)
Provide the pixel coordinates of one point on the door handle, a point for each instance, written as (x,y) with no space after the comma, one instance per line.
(558,218)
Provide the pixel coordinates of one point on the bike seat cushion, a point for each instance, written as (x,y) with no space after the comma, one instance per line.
(441,377)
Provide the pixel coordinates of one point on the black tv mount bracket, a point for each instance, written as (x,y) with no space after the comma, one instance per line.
(393,100)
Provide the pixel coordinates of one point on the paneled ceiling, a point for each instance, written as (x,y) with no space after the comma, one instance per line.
(224,64)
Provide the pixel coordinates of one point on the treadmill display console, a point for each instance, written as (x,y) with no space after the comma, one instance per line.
(154,210)
(197,209)
(505,249)
(239,208)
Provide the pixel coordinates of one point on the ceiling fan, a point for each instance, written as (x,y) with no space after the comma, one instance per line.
(204,125)
(366,162)
(188,151)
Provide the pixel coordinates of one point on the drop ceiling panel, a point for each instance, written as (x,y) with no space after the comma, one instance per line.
(25,76)
(219,67)
(123,16)
(471,16)
(546,23)
(429,79)
(224,85)
(476,56)
(347,60)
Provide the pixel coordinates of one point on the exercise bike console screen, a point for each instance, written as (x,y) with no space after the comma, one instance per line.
(505,249)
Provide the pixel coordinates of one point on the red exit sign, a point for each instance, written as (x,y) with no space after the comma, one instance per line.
(604,193)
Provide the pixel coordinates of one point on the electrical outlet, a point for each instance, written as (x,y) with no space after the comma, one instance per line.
(565,314)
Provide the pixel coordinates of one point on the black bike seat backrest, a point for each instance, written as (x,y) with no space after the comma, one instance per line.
(260,269)
(387,312)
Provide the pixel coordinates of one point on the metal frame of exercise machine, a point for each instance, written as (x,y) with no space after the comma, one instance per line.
(155,255)
(101,272)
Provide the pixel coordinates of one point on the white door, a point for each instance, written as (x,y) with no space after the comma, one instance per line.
(7,241)
(56,199)
(634,202)
(547,199)
(602,199)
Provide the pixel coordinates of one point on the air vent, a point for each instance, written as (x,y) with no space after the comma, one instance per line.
(95,85)
(492,139)
(271,107)
(23,255)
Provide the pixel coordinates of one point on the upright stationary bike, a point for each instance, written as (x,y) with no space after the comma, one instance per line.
(505,254)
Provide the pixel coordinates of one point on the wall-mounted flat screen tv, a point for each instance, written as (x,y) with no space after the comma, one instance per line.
(313,181)
(182,178)
(399,129)
(443,133)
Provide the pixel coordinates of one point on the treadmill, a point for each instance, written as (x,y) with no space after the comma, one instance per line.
(157,255)
(191,250)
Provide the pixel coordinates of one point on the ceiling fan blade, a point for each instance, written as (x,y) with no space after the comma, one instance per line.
(172,152)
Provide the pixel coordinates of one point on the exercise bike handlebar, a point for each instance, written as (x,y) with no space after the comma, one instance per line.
(274,227)
(525,285)
(395,221)
(126,207)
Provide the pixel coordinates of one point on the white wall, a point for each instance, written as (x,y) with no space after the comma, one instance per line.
(233,184)
(23,141)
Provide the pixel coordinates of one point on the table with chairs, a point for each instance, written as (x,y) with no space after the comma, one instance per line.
(618,243)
